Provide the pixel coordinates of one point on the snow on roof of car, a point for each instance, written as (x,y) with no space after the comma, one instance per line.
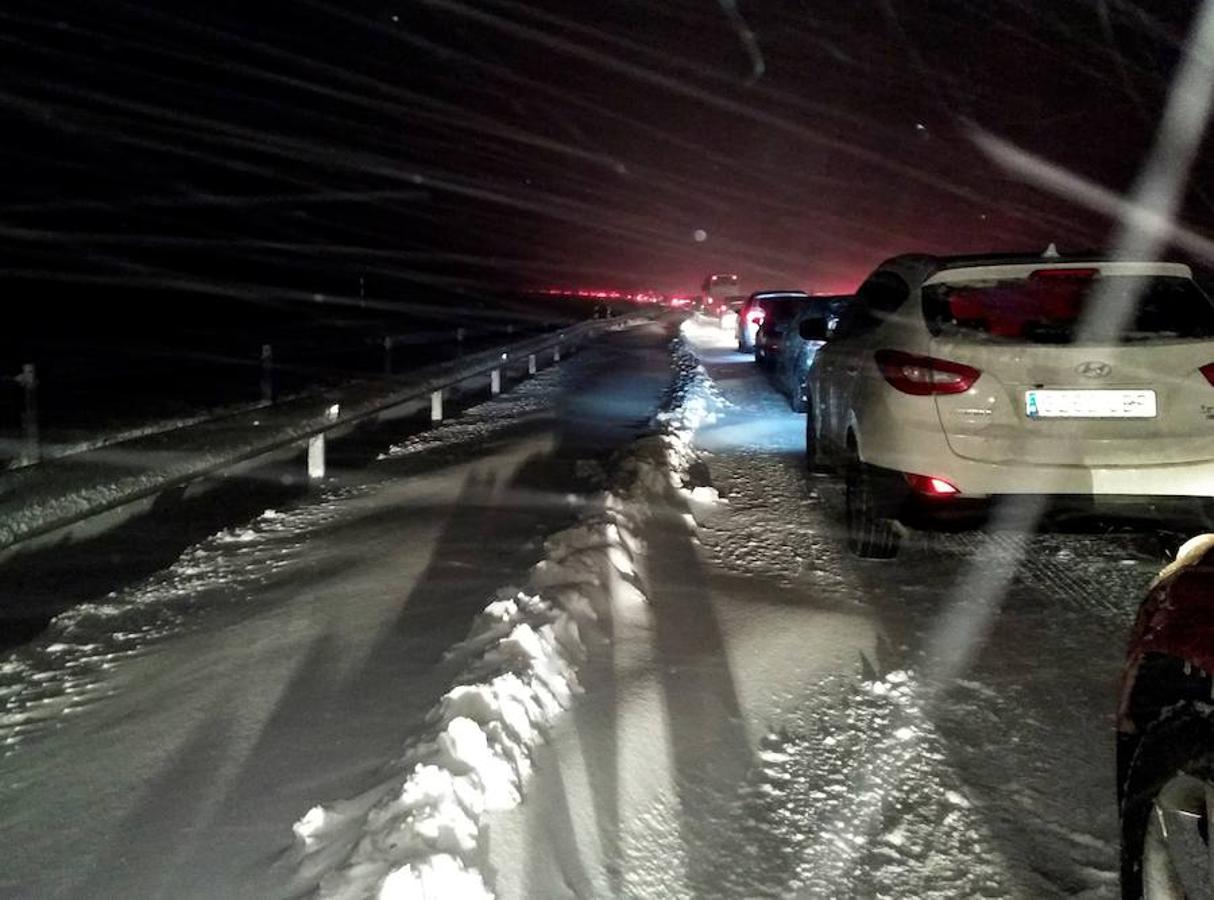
(998,271)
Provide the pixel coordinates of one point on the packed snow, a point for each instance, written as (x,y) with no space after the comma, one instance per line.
(66,669)
(418,834)
(483,420)
(800,739)
(695,691)
(262,689)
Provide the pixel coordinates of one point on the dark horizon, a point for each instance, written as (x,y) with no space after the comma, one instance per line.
(307,148)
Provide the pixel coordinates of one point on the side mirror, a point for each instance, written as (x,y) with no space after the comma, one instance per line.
(812,329)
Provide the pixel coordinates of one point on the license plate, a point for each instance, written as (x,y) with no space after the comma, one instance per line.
(1080,404)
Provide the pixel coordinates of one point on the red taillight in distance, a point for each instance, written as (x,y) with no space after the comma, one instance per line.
(925,375)
(931,486)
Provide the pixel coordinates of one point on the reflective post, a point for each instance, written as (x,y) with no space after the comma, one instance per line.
(387,354)
(316,446)
(436,406)
(31,450)
(267,373)
(316,457)
(531,364)
(495,382)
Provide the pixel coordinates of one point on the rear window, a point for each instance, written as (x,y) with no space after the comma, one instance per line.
(1047,309)
(781,309)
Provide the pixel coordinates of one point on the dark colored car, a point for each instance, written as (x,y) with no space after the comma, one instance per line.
(796,353)
(1165,734)
(755,311)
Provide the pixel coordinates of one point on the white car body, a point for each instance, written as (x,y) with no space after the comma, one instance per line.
(1123,418)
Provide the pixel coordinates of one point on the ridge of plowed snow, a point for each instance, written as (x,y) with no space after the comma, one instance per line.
(417,833)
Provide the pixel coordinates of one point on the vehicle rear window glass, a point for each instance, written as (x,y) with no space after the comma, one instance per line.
(1047,310)
(782,309)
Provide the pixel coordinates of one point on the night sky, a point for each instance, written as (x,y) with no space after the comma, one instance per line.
(288,148)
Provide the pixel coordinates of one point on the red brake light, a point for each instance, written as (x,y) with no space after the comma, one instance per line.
(756,317)
(1208,371)
(931,486)
(924,375)
(1064,273)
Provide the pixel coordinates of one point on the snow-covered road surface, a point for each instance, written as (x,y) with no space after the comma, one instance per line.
(755,717)
(764,728)
(163,740)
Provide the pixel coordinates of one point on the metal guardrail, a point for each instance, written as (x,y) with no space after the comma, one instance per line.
(339,410)
(29,445)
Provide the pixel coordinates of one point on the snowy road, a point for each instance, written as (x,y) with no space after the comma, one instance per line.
(162,741)
(761,726)
(765,730)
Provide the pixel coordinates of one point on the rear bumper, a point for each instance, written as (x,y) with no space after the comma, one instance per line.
(969,510)
(928,454)
(1175,480)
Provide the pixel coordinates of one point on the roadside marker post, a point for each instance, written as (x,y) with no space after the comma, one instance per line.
(316,446)
(316,457)
(31,449)
(267,373)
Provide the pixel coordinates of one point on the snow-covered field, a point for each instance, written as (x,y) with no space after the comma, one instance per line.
(495,665)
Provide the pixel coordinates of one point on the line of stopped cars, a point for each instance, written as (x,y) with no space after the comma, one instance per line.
(948,388)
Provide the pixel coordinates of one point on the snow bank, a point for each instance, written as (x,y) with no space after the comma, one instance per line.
(417,835)
(664,460)
(481,421)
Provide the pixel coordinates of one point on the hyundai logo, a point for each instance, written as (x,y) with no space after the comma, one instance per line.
(1094,369)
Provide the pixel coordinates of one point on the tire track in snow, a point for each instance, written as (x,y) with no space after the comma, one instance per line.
(856,797)
(1078,588)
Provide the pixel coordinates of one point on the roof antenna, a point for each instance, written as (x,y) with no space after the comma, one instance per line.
(1051,252)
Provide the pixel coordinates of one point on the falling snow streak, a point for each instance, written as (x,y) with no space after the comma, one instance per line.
(534,137)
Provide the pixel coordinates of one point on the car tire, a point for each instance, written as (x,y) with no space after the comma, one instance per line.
(813,461)
(871,534)
(1179,744)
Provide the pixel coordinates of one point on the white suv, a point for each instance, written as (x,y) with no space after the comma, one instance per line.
(967,378)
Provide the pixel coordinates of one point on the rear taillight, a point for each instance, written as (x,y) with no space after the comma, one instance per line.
(755,318)
(1079,274)
(924,375)
(1208,371)
(931,486)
